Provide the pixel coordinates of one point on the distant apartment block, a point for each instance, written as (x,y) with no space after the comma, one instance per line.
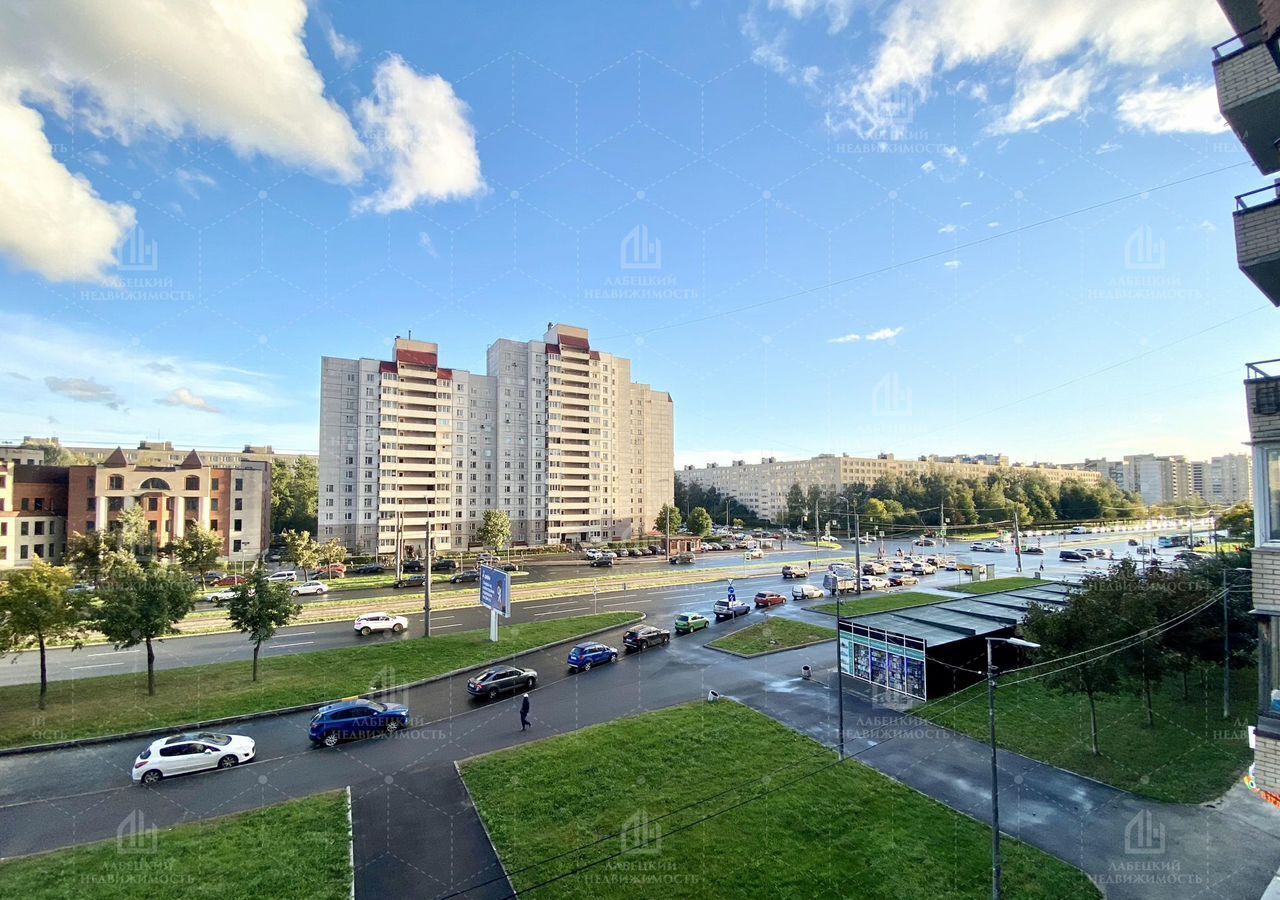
(157,453)
(555,434)
(763,486)
(33,513)
(1222,480)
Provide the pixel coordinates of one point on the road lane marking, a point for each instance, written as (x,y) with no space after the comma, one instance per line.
(434,626)
(98,666)
(114,652)
(295,644)
(298,633)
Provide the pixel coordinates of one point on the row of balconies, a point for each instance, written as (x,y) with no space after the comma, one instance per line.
(1246,69)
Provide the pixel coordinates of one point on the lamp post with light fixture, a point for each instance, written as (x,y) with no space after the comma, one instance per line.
(992,673)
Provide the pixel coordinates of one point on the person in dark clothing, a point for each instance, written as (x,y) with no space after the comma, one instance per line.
(524,713)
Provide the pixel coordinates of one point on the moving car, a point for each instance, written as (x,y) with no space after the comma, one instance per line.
(899,565)
(874,583)
(309,587)
(1079,529)
(463,577)
(1071,556)
(806,592)
(753,553)
(795,572)
(221,596)
(730,609)
(688,623)
(369,569)
(601,562)
(500,679)
(181,754)
(229,581)
(765,599)
(874,568)
(903,580)
(682,559)
(368,623)
(1037,550)
(348,719)
(591,653)
(283,575)
(978,546)
(410,581)
(951,565)
(924,542)
(922,568)
(644,636)
(1133,542)
(444,566)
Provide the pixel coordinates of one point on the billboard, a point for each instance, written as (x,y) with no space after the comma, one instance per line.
(495,590)
(886,658)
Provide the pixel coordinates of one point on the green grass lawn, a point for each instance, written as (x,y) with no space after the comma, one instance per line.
(1190,756)
(994,585)
(877,603)
(298,849)
(775,817)
(774,634)
(112,704)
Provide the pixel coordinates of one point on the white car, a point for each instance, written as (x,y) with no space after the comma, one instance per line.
(380,621)
(283,575)
(192,752)
(806,592)
(922,568)
(221,596)
(874,583)
(593,553)
(898,565)
(866,539)
(309,587)
(753,553)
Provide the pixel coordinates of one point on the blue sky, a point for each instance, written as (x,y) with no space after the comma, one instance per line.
(200,205)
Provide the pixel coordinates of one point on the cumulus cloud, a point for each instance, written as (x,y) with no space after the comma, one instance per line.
(418,128)
(83,390)
(952,264)
(881,334)
(1041,100)
(1166,109)
(183,397)
(344,50)
(845,339)
(949,228)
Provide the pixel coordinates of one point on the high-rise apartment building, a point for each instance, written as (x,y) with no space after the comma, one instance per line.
(1158,479)
(556,435)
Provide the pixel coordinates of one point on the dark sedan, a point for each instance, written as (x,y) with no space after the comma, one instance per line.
(462,577)
(644,636)
(409,581)
(501,679)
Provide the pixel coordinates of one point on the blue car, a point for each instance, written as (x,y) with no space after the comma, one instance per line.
(349,719)
(584,656)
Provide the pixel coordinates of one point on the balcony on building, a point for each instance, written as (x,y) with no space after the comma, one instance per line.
(1246,69)
(1257,225)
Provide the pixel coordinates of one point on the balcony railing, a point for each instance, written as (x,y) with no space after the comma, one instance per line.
(1257,225)
(1246,69)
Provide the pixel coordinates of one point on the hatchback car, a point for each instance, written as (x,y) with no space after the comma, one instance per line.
(409,581)
(922,568)
(644,636)
(283,575)
(903,580)
(806,592)
(730,609)
(1071,556)
(795,572)
(682,559)
(465,577)
(765,599)
(348,719)
(497,680)
(602,562)
(584,656)
(380,621)
(874,583)
(688,623)
(1036,550)
(222,596)
(874,568)
(309,587)
(181,754)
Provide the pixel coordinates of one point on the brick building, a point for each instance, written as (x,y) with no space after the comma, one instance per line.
(33,509)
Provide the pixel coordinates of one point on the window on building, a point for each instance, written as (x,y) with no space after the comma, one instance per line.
(239,485)
(193,482)
(116,483)
(236,525)
(25,503)
(213,484)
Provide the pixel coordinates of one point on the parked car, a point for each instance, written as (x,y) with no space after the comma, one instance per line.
(1133,542)
(221,596)
(806,592)
(592,553)
(591,653)
(308,588)
(951,565)
(1079,529)
(753,553)
(924,542)
(348,719)
(498,680)
(211,577)
(1071,556)
(81,587)
(409,581)
(444,566)
(922,568)
(369,569)
(899,565)
(765,599)
(644,636)
(465,577)
(688,623)
(874,567)
(182,754)
(229,581)
(368,623)
(283,575)
(730,609)
(601,562)
(795,571)
(682,559)
(874,583)
(1087,552)
(413,565)
(335,570)
(903,580)
(978,546)
(1036,550)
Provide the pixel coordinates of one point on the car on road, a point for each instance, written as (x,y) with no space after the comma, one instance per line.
(601,562)
(308,588)
(413,565)
(874,583)
(1071,556)
(591,653)
(1079,529)
(765,599)
(644,636)
(623,553)
(368,623)
(229,581)
(369,569)
(682,559)
(181,754)
(222,596)
(464,577)
(924,542)
(688,623)
(806,592)
(655,549)
(874,568)
(349,719)
(1087,552)
(730,609)
(899,565)
(332,570)
(753,553)
(283,575)
(498,680)
(1035,550)
(591,553)
(795,571)
(866,539)
(409,581)
(922,568)
(903,580)
(444,566)
(951,565)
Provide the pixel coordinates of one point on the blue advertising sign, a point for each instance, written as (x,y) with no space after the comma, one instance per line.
(495,590)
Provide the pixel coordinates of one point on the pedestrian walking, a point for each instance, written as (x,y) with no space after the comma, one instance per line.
(524,713)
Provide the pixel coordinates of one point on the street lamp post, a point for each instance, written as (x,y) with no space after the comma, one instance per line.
(992,673)
(1226,642)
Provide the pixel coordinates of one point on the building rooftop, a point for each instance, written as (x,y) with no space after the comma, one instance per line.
(956,620)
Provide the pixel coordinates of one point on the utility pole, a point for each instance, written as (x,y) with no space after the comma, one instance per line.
(726,513)
(668,532)
(942,520)
(1017,540)
(426,582)
(857,558)
(1226,649)
(399,542)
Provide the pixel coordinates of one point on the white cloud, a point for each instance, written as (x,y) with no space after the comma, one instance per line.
(1041,100)
(1165,109)
(83,390)
(837,11)
(183,397)
(417,127)
(191,180)
(885,334)
(845,339)
(344,50)
(52,221)
(928,166)
(952,264)
(993,224)
(949,228)
(1106,147)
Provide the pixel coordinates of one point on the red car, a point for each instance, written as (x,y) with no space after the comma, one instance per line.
(769,598)
(230,581)
(336,570)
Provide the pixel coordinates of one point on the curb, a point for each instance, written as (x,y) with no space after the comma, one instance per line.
(289,710)
(483,827)
(351,844)
(707,645)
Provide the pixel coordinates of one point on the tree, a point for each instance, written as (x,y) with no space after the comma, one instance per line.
(1238,522)
(300,549)
(331,552)
(143,608)
(495,530)
(700,522)
(36,608)
(133,532)
(738,523)
(198,549)
(795,505)
(85,554)
(54,453)
(259,609)
(295,488)
(662,524)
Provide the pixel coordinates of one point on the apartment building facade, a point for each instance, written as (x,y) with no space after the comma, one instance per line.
(152,453)
(555,434)
(33,513)
(763,486)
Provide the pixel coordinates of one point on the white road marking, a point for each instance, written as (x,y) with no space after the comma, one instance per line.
(97,666)
(114,652)
(299,633)
(628,603)
(434,626)
(295,644)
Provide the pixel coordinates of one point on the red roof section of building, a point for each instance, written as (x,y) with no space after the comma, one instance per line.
(553,349)
(573,342)
(595,354)
(385,366)
(444,374)
(193,461)
(116,460)
(416,358)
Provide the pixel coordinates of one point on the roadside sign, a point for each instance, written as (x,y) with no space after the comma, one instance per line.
(495,590)
(732,595)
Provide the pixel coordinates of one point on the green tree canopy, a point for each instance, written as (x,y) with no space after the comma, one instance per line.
(145,607)
(198,549)
(495,529)
(300,549)
(295,495)
(36,608)
(699,522)
(663,523)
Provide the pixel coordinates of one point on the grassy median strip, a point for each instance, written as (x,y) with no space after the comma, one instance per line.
(113,704)
(296,849)
(878,603)
(1190,756)
(995,585)
(717,800)
(772,635)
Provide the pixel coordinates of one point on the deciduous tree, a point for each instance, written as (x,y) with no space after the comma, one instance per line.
(699,522)
(495,530)
(259,609)
(36,608)
(198,549)
(143,608)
